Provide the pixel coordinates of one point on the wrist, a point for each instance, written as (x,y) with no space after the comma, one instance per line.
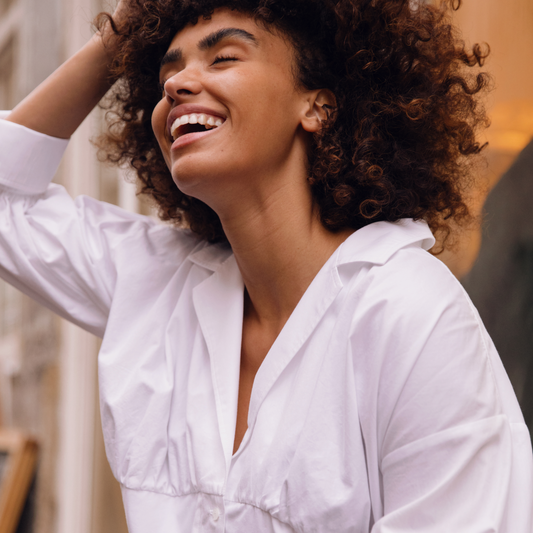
(107,39)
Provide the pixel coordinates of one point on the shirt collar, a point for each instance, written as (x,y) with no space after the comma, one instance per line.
(378,241)
(211,256)
(374,243)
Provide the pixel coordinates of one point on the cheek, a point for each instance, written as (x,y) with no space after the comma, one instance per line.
(271,101)
(159,120)
(278,111)
(159,124)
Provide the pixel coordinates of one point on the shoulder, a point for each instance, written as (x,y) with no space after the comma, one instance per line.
(414,278)
(413,298)
(419,348)
(409,298)
(430,386)
(389,267)
(134,240)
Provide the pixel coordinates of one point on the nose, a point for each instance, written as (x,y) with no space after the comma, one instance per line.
(182,84)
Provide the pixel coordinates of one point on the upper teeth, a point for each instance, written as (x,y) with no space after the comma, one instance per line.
(208,121)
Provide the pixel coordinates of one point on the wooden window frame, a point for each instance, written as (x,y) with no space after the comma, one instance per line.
(17,476)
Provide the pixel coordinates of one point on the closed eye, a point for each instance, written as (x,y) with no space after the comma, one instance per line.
(218,59)
(221,59)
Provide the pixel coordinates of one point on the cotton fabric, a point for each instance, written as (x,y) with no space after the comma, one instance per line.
(382,406)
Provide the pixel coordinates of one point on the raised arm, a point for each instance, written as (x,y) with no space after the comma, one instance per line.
(60,104)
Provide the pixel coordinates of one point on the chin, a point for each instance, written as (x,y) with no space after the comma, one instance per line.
(192,172)
(186,184)
(195,182)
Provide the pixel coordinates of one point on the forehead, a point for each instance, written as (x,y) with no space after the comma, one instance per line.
(224,18)
(220,17)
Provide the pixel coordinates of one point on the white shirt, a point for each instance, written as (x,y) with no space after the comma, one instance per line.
(382,406)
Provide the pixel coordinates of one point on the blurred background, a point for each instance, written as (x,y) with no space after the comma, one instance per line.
(48,377)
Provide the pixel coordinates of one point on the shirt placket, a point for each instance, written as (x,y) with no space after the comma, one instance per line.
(210,514)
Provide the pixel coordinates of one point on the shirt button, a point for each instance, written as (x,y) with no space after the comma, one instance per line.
(215,514)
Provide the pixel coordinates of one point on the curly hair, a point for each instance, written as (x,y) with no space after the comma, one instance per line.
(400,141)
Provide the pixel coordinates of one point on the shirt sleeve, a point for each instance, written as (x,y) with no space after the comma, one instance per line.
(58,251)
(445,437)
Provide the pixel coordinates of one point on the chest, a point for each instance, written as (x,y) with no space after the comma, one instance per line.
(300,466)
(257,340)
(171,414)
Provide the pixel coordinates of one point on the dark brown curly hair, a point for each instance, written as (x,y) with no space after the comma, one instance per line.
(399,142)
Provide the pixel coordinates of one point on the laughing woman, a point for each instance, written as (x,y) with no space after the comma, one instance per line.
(286,356)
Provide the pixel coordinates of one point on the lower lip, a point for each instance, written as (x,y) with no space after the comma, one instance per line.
(189,138)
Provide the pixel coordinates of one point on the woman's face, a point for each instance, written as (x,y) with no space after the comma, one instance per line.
(231,113)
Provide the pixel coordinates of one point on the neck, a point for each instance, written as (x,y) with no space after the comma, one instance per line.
(280,245)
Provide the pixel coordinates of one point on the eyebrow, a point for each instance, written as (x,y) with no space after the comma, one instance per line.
(172,56)
(225,33)
(210,41)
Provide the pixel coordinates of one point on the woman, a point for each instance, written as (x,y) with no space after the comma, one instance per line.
(296,360)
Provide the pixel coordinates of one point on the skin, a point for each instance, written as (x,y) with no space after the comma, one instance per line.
(252,170)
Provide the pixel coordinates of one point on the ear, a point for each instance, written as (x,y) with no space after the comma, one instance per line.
(319,106)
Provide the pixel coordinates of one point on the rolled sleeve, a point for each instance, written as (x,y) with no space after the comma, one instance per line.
(57,250)
(29,159)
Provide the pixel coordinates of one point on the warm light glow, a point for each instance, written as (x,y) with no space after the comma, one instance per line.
(512,126)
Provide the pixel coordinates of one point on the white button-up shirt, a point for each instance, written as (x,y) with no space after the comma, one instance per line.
(382,406)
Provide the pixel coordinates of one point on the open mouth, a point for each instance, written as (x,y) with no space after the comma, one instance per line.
(194,123)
